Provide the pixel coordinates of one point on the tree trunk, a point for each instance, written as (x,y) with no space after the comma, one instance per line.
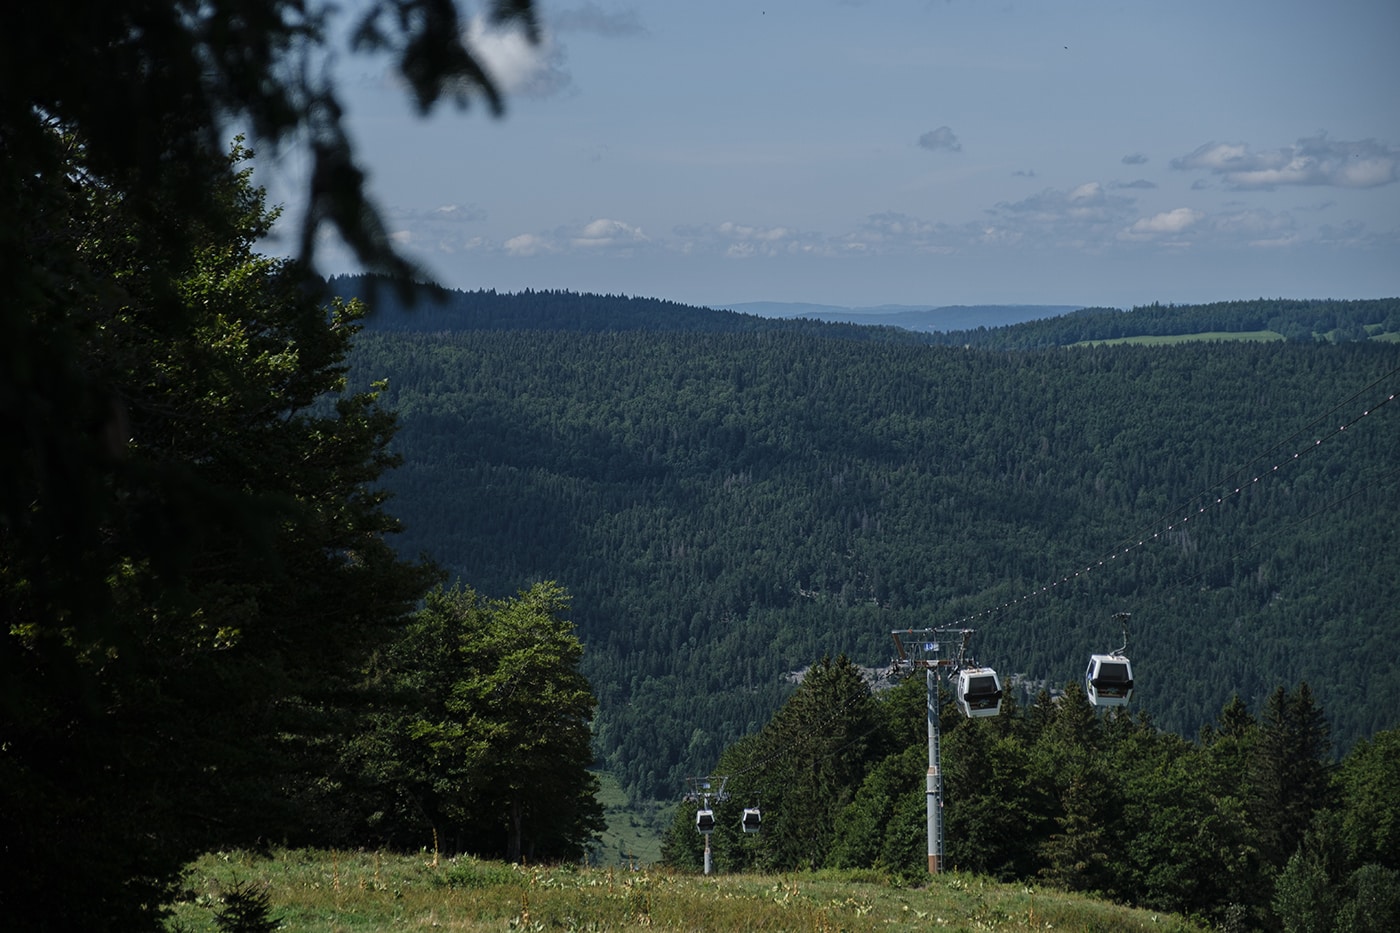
(513,840)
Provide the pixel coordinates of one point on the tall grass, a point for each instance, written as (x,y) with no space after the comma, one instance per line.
(633,833)
(321,892)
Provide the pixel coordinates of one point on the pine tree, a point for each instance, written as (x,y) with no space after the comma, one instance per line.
(188,602)
(815,752)
(1289,773)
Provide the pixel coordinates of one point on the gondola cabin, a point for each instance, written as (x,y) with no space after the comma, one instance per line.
(752,820)
(1109,680)
(979,692)
(705,821)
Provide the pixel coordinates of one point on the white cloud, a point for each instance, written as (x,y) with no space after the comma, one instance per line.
(892,232)
(1216,157)
(1314,160)
(1230,229)
(604,234)
(442,214)
(993,235)
(1084,218)
(746,232)
(894,225)
(1089,191)
(1171,222)
(515,64)
(1083,207)
(443,229)
(597,237)
(744,241)
(522,68)
(457,213)
(1092,218)
(528,244)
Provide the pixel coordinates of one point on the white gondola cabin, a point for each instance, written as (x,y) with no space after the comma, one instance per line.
(1109,680)
(752,820)
(705,821)
(979,692)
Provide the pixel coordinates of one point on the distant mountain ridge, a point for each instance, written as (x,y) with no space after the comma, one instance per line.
(555,310)
(996,327)
(910,317)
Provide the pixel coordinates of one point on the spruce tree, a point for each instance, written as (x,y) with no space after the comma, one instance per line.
(1289,772)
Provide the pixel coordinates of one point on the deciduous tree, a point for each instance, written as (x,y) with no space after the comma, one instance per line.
(493,742)
(1368,782)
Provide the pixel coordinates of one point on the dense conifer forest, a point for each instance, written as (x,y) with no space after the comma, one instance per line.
(663,524)
(730,499)
(1249,827)
(1307,321)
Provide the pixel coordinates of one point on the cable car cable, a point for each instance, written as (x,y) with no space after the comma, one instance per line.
(1302,520)
(1141,541)
(1143,538)
(1245,469)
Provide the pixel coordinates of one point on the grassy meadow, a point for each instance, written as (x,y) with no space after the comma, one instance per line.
(343,892)
(1257,336)
(633,834)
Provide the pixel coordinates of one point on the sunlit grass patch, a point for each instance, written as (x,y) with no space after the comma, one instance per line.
(320,892)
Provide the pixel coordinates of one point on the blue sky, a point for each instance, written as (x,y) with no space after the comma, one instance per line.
(919,152)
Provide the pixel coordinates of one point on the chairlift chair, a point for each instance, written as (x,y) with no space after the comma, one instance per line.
(1109,680)
(705,821)
(752,820)
(979,692)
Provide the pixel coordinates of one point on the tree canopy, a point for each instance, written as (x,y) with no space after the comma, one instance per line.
(1062,795)
(484,742)
(151,89)
(194,565)
(192,562)
(114,122)
(727,504)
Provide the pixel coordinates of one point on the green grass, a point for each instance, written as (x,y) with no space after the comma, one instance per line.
(321,892)
(1252,335)
(633,834)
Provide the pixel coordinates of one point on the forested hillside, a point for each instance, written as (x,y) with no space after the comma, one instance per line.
(1251,826)
(728,507)
(1308,321)
(918,318)
(1281,319)
(429,310)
